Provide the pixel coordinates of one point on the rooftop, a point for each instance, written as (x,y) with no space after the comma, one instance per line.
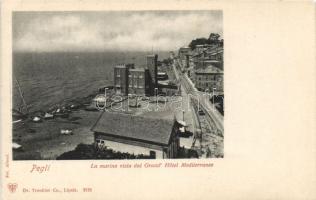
(137,70)
(129,65)
(210,69)
(185,48)
(145,128)
(120,66)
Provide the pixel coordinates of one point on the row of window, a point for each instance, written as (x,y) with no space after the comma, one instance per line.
(208,85)
(135,86)
(135,76)
(214,78)
(130,76)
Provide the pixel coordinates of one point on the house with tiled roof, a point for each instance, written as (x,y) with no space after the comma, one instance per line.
(137,135)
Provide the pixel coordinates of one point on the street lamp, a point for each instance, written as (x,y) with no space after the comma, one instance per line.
(213,97)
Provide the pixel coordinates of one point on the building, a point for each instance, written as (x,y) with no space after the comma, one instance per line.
(214,53)
(199,48)
(202,63)
(169,89)
(209,52)
(131,80)
(137,135)
(184,56)
(121,78)
(209,78)
(153,70)
(183,51)
(137,81)
(161,76)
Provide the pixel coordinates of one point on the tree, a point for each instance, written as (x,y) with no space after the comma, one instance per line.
(214,38)
(198,41)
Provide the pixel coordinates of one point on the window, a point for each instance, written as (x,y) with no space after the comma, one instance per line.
(130,83)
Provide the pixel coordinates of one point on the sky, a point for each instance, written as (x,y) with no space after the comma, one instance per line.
(111,30)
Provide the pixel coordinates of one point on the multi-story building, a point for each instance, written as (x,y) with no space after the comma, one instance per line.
(209,78)
(153,70)
(214,53)
(137,81)
(121,78)
(209,52)
(184,56)
(199,48)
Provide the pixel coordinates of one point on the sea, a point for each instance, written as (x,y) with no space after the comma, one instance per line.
(49,78)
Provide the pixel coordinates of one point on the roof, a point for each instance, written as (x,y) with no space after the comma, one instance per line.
(137,70)
(152,55)
(120,66)
(207,61)
(129,65)
(184,48)
(210,69)
(148,129)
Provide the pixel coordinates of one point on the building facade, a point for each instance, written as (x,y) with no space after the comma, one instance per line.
(184,56)
(137,81)
(120,79)
(209,78)
(153,69)
(131,80)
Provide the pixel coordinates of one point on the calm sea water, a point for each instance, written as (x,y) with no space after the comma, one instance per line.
(50,78)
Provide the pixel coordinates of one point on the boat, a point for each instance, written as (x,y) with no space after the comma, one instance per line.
(16,121)
(61,112)
(16,146)
(17,116)
(62,115)
(74,106)
(21,113)
(36,119)
(66,132)
(48,116)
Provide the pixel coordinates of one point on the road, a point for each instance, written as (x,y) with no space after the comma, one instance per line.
(208,141)
(214,117)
